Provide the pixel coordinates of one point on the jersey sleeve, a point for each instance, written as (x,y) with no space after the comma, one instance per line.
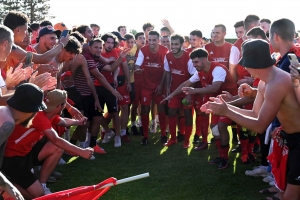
(195,78)
(140,59)
(41,122)
(166,64)
(234,55)
(91,64)
(192,70)
(219,74)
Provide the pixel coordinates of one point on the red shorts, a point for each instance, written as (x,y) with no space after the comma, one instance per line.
(125,94)
(148,95)
(138,91)
(199,100)
(215,119)
(176,102)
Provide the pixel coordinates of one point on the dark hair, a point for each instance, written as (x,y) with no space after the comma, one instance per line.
(257,31)
(165,29)
(5,34)
(285,28)
(147,25)
(35,26)
(95,40)
(177,37)
(265,20)
(239,24)
(249,20)
(110,35)
(14,19)
(221,26)
(78,36)
(154,33)
(138,34)
(197,33)
(73,45)
(94,25)
(198,53)
(128,36)
(122,26)
(81,28)
(46,23)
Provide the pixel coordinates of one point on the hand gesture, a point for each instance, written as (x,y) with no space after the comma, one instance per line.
(82,121)
(165,23)
(226,96)
(166,99)
(87,153)
(189,90)
(247,80)
(117,94)
(124,52)
(295,73)
(216,106)
(245,90)
(64,40)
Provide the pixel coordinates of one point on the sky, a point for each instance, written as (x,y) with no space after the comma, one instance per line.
(184,16)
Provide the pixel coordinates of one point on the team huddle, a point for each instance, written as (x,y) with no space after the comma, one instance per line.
(53,78)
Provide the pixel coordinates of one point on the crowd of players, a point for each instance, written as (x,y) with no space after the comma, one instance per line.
(163,73)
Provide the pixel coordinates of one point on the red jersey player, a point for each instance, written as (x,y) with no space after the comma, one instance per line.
(214,78)
(150,63)
(179,68)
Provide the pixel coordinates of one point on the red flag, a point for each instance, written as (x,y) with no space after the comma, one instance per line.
(92,192)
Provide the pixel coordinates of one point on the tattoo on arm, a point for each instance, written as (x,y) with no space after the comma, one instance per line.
(5,131)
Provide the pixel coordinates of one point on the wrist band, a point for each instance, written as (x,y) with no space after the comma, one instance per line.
(69,109)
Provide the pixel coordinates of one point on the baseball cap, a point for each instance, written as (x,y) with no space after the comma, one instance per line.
(256,54)
(60,26)
(118,35)
(48,30)
(55,98)
(28,98)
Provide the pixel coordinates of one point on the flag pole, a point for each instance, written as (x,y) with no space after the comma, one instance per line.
(126,180)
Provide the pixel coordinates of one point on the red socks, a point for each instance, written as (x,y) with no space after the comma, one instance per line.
(198,125)
(181,126)
(163,123)
(172,127)
(204,127)
(244,146)
(188,132)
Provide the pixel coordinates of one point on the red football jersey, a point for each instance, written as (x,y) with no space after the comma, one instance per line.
(219,54)
(229,85)
(181,69)
(153,65)
(108,75)
(22,139)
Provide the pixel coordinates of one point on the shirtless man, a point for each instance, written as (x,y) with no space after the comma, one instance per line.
(275,98)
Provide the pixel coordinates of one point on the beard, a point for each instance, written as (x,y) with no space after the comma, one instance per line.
(28,122)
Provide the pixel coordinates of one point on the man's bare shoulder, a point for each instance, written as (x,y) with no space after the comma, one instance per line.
(17,53)
(5,116)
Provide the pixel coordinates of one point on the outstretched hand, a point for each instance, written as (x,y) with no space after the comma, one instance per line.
(216,106)
(246,90)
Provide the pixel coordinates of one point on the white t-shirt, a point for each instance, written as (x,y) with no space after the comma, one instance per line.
(140,59)
(234,55)
(218,73)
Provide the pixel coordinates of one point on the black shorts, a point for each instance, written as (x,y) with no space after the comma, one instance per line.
(18,168)
(89,107)
(293,165)
(132,93)
(106,97)
(75,96)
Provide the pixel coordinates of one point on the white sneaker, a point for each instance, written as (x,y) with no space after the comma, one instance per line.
(259,171)
(272,183)
(268,179)
(92,158)
(46,190)
(138,123)
(117,141)
(108,136)
(61,162)
(153,127)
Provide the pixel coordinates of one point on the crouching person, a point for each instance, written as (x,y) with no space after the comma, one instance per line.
(25,148)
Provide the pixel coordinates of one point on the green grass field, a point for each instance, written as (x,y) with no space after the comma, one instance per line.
(175,173)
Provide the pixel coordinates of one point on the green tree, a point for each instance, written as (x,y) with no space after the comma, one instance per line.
(6,6)
(133,31)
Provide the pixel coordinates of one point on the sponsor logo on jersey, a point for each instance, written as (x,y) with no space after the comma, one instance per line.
(203,77)
(171,62)
(155,65)
(211,52)
(219,59)
(147,57)
(178,72)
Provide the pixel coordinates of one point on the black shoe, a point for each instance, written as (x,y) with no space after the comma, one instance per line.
(256,148)
(196,139)
(144,141)
(141,132)
(216,161)
(179,137)
(134,131)
(237,149)
(224,163)
(212,140)
(163,139)
(127,131)
(235,140)
(251,157)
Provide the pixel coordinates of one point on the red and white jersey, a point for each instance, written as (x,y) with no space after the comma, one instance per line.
(22,139)
(109,76)
(189,50)
(153,65)
(219,54)
(181,69)
(217,72)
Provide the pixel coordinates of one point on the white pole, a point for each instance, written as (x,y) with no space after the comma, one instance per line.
(125,180)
